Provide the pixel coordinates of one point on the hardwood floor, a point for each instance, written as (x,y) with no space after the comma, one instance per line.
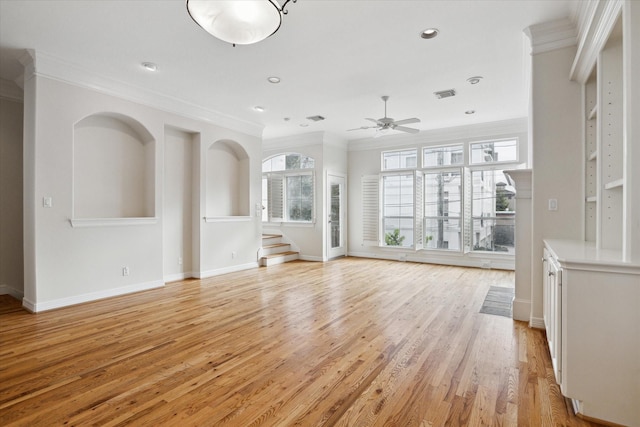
(352,342)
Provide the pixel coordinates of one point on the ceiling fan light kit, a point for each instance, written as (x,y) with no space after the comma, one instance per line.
(238,22)
(387,123)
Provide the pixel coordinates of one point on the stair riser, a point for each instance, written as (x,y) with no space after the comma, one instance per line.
(276,250)
(266,262)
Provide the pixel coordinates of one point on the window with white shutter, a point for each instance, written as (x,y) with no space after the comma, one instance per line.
(288,182)
(370,210)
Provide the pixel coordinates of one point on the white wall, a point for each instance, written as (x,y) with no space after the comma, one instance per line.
(11,247)
(66,265)
(178,218)
(557,159)
(365,159)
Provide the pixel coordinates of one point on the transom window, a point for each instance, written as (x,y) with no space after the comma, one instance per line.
(400,159)
(494,151)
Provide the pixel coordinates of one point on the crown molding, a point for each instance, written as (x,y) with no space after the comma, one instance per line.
(10,90)
(44,65)
(596,21)
(552,35)
(444,135)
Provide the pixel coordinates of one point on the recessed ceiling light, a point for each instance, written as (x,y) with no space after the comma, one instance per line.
(149,66)
(273,79)
(429,33)
(474,80)
(470,112)
(258,108)
(286,119)
(304,125)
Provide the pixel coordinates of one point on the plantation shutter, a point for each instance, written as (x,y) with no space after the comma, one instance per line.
(276,197)
(418,216)
(467,185)
(371,210)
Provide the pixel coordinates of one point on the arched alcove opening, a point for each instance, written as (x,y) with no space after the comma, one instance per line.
(227,180)
(113,168)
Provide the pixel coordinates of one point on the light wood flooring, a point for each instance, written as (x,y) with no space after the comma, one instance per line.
(352,342)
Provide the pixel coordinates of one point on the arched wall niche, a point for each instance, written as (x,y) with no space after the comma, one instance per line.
(227,180)
(113,168)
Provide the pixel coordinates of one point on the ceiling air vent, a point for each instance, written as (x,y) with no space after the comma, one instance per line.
(445,93)
(315,118)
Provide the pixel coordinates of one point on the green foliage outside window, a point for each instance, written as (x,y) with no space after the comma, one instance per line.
(393,238)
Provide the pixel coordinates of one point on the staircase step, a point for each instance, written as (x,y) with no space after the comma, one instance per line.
(278,258)
(275,248)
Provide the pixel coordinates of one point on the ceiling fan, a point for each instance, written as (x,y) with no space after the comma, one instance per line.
(387,123)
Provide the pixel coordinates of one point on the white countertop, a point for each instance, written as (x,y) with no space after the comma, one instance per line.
(581,254)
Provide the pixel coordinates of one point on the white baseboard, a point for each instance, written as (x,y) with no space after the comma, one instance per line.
(36,307)
(8,290)
(177,277)
(536,322)
(521,309)
(225,270)
(311,258)
(457,260)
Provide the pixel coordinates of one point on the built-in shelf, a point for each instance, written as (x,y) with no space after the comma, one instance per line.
(618,183)
(591,199)
(593,155)
(593,113)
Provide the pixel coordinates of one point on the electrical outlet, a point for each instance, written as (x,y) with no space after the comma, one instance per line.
(125,271)
(179,260)
(233,255)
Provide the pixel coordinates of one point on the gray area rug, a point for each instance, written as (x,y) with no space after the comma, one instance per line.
(498,301)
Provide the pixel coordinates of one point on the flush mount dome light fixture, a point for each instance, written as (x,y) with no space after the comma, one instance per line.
(149,66)
(429,33)
(238,22)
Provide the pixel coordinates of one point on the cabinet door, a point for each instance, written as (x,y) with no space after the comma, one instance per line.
(554,281)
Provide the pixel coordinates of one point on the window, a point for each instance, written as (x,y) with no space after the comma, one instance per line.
(397,210)
(443,156)
(493,212)
(459,202)
(494,151)
(401,159)
(287,188)
(443,210)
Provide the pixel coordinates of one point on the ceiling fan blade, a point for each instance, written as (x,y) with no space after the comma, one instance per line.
(406,129)
(407,121)
(363,127)
(378,122)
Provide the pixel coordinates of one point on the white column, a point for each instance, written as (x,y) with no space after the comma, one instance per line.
(521,180)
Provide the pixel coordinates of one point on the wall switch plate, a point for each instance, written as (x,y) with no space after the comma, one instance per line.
(553,204)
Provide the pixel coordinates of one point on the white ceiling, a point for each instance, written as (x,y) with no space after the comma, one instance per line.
(335,58)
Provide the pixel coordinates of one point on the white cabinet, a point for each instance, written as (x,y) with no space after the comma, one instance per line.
(592,317)
(552,294)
